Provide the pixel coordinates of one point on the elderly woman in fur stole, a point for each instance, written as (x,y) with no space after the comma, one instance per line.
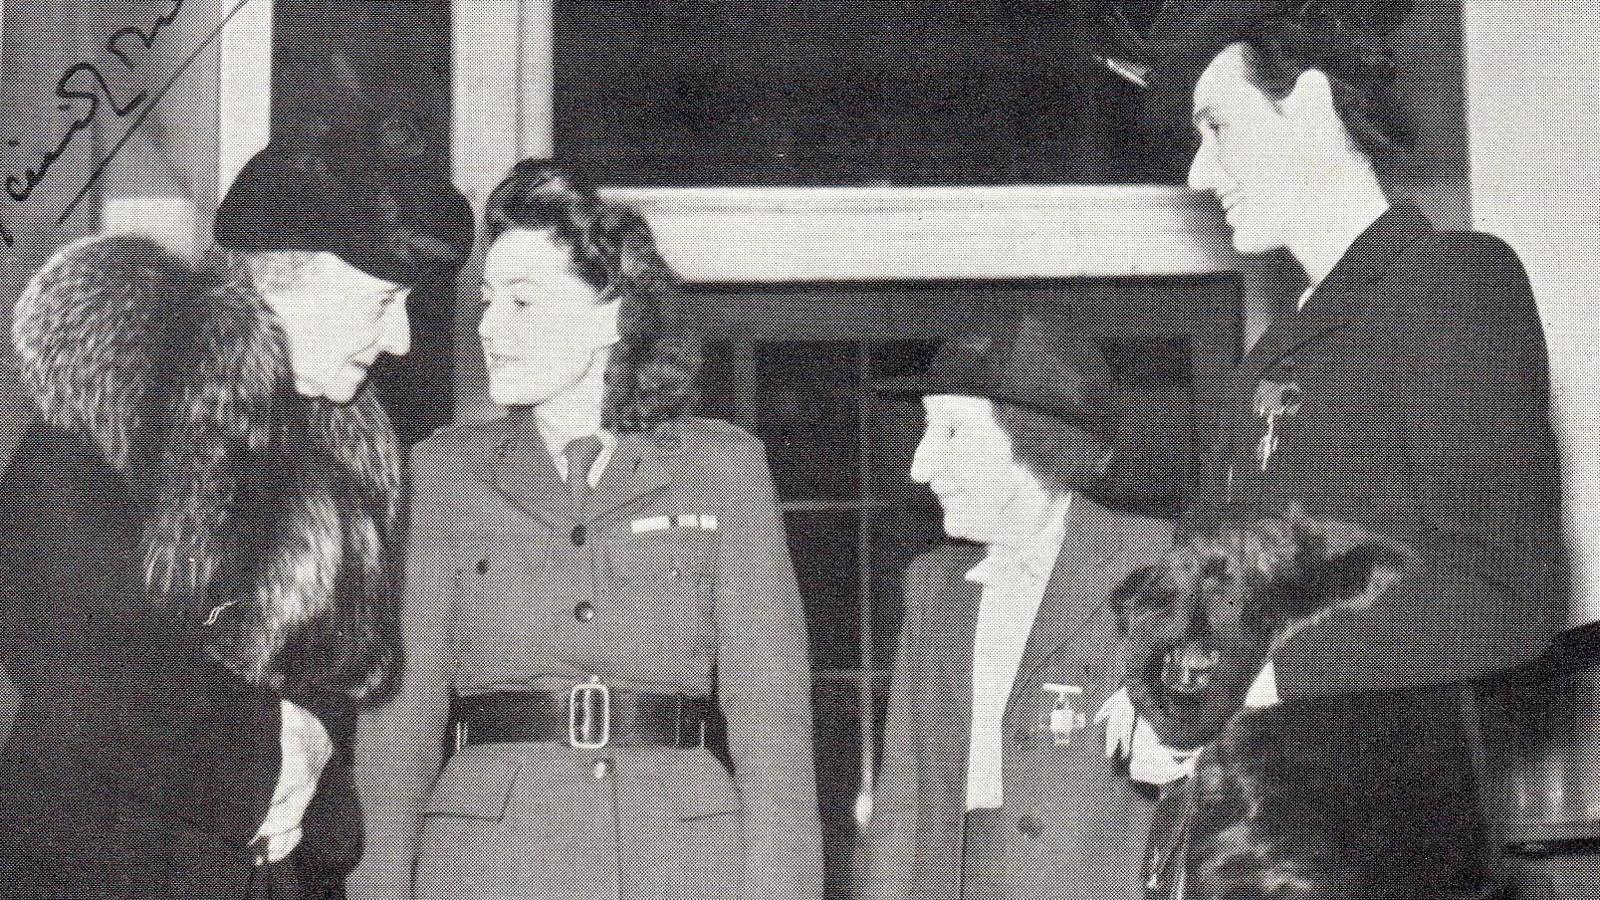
(196,584)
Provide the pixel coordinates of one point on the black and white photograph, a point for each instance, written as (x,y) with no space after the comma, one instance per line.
(799,450)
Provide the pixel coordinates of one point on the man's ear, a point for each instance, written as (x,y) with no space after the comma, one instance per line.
(1310,101)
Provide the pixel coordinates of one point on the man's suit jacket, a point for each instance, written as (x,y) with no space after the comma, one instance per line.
(1073,824)
(1413,399)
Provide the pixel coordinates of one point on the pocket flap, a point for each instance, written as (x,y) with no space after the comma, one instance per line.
(476,784)
(707,789)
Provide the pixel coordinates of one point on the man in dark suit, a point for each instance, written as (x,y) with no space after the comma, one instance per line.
(1408,391)
(996,779)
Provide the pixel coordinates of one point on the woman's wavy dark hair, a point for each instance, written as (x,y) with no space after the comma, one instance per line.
(1360,70)
(651,377)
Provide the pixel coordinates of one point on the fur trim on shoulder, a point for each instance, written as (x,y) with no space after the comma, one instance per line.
(272,518)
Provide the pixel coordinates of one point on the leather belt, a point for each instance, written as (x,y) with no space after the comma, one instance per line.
(589,716)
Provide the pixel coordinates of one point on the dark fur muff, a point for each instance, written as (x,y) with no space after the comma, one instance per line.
(1326,799)
(271,520)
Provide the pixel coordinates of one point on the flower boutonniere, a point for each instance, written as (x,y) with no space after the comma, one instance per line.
(1275,400)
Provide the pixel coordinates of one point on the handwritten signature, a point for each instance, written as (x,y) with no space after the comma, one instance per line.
(85,89)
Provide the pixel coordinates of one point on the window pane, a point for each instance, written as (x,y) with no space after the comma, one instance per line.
(808,408)
(896,423)
(824,547)
(839,92)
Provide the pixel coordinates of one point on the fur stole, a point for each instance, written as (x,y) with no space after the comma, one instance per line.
(270,520)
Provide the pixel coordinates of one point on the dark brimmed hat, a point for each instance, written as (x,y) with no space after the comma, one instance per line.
(1187,35)
(395,219)
(1030,359)
(1050,363)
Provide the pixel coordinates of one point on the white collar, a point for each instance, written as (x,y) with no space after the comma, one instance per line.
(1033,556)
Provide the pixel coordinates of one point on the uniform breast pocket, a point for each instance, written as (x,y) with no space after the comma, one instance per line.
(674,559)
(500,578)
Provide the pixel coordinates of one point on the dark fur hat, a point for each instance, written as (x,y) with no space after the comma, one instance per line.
(273,518)
(390,217)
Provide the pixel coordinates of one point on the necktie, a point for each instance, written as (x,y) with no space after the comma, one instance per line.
(581,454)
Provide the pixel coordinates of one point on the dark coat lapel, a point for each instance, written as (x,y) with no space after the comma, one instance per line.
(947,660)
(1343,296)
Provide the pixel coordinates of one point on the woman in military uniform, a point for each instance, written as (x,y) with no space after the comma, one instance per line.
(599,596)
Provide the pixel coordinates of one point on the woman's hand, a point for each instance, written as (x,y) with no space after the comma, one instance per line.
(306,751)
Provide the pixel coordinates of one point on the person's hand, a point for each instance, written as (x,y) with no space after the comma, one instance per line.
(306,751)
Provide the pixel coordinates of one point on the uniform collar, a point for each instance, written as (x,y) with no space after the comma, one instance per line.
(523,468)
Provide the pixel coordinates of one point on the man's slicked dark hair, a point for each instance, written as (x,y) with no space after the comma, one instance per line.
(1359,68)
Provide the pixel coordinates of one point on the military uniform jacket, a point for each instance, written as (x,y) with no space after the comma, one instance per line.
(678,580)
(1074,825)
(1409,396)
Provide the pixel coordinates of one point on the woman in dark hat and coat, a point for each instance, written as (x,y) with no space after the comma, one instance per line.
(197,579)
(1002,773)
(599,597)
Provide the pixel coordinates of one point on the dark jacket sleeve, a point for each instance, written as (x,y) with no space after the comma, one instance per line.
(1484,516)
(332,828)
(886,855)
(116,694)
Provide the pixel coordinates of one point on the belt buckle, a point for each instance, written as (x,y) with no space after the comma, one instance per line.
(589,715)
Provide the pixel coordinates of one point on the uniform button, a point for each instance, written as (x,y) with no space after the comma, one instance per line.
(580,534)
(1021,735)
(483,566)
(602,769)
(583,612)
(1029,826)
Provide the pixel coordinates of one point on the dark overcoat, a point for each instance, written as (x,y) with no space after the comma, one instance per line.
(145,743)
(1409,396)
(1073,824)
(686,567)
(127,774)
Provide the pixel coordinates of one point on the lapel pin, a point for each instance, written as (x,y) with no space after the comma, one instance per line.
(1275,400)
(1064,716)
